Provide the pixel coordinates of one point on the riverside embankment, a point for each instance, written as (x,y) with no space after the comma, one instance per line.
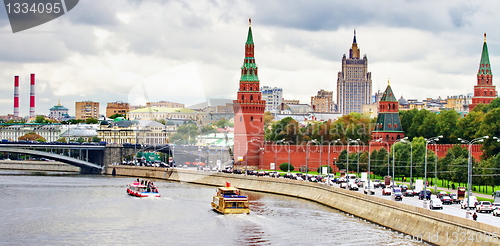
(418,223)
(51,166)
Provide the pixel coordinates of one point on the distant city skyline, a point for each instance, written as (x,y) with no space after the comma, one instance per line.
(188,51)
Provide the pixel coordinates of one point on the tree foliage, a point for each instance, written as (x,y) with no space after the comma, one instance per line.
(284,167)
(31,136)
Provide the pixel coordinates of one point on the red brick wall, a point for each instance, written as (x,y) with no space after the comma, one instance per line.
(317,155)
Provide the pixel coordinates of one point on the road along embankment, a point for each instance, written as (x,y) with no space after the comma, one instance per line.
(418,223)
(51,166)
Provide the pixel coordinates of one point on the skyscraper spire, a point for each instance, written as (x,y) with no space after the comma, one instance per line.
(354,52)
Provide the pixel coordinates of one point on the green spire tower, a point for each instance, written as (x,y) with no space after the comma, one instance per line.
(484,91)
(248,112)
(388,127)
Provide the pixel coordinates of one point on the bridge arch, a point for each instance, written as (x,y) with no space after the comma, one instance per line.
(85,166)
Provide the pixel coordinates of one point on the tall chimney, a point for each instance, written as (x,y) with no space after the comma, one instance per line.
(32,96)
(16,96)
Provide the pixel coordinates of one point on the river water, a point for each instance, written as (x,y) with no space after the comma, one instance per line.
(95,210)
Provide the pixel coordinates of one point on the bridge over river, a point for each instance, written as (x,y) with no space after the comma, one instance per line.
(90,158)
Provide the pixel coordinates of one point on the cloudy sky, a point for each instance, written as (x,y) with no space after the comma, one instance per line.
(189,50)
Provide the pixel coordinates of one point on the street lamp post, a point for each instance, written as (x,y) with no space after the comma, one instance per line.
(411,161)
(288,150)
(308,154)
(427,141)
(329,149)
(469,168)
(369,160)
(348,143)
(261,155)
(393,158)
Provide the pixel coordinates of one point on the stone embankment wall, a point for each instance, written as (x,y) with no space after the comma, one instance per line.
(53,166)
(418,223)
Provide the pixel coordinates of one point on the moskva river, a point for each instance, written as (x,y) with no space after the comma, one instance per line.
(95,210)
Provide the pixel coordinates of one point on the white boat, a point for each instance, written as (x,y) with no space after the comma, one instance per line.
(140,190)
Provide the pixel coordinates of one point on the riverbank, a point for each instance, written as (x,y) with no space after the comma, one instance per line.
(418,223)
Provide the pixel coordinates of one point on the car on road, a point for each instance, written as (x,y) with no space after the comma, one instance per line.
(397,196)
(377,183)
(424,195)
(343,185)
(353,186)
(441,194)
(446,200)
(403,187)
(455,199)
(496,212)
(484,206)
(409,193)
(435,203)
(369,190)
(386,191)
(464,205)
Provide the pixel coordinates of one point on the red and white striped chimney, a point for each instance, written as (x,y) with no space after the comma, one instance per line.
(16,96)
(32,95)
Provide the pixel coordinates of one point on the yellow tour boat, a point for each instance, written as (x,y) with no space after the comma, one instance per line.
(229,201)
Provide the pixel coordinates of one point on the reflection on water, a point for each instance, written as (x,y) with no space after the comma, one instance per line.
(95,210)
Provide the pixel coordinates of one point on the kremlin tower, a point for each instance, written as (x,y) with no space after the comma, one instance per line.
(388,127)
(248,112)
(484,91)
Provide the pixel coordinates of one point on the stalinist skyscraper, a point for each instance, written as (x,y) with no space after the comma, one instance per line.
(354,82)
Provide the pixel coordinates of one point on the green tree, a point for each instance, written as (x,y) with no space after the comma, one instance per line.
(186,134)
(490,126)
(72,122)
(31,136)
(320,169)
(382,159)
(116,116)
(342,159)
(62,140)
(95,139)
(470,124)
(222,123)
(91,121)
(284,167)
(428,127)
(447,126)
(445,167)
(207,130)
(40,119)
(407,118)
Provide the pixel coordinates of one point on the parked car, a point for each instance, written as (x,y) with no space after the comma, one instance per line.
(446,200)
(386,191)
(343,185)
(397,196)
(484,206)
(369,190)
(435,204)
